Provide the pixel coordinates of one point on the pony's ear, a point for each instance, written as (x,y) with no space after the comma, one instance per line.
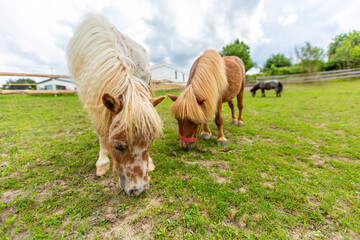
(173,97)
(111,103)
(200,100)
(156,101)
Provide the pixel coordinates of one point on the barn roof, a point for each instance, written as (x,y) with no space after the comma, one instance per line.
(58,79)
(164,64)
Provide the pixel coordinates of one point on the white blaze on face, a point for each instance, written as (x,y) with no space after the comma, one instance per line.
(136,176)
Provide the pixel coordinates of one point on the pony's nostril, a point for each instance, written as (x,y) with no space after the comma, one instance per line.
(189,146)
(134,192)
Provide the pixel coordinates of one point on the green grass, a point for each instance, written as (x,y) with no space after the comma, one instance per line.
(291,172)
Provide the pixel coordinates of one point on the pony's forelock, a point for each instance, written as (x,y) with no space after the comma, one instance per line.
(187,107)
(138,118)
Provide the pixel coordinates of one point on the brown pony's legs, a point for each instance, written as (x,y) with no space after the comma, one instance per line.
(240,106)
(233,115)
(206,133)
(219,122)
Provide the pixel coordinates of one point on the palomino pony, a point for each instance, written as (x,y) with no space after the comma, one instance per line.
(212,81)
(112,74)
(268,85)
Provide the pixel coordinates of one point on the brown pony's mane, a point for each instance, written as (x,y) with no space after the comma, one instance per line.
(98,64)
(208,82)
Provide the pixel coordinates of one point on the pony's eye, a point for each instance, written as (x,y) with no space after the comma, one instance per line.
(120,147)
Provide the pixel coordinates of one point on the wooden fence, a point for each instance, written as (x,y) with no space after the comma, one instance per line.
(310,77)
(294,78)
(168,85)
(9,74)
(55,92)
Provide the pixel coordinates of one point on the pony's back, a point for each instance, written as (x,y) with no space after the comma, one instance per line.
(100,57)
(103,60)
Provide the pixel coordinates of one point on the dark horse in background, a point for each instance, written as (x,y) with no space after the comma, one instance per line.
(268,85)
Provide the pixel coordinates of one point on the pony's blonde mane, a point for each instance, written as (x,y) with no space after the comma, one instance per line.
(99,65)
(208,82)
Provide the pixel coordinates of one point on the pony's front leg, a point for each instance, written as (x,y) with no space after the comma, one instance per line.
(263,93)
(206,133)
(219,122)
(103,163)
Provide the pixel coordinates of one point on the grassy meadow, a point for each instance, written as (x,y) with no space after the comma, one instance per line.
(291,172)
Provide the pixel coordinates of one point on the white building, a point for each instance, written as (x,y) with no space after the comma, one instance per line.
(165,71)
(56,84)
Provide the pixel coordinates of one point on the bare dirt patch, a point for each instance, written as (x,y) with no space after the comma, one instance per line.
(348,160)
(339,132)
(317,160)
(246,139)
(320,125)
(8,196)
(268,184)
(215,168)
(122,226)
(234,222)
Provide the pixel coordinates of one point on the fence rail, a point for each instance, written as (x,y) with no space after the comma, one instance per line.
(168,85)
(8,92)
(312,77)
(9,74)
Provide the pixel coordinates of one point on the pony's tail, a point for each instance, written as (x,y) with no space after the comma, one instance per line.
(280,87)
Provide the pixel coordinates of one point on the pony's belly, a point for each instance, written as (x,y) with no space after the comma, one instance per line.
(230,94)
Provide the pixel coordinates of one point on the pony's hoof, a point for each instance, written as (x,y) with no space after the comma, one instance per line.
(240,124)
(151,166)
(234,122)
(102,169)
(222,141)
(205,137)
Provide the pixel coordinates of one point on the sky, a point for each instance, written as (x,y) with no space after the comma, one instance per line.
(34,34)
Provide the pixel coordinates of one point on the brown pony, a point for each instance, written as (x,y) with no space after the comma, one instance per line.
(212,81)
(112,74)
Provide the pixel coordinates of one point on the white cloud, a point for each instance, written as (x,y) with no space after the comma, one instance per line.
(289,16)
(34,34)
(348,16)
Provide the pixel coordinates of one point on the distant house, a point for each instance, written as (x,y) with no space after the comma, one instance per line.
(56,84)
(165,71)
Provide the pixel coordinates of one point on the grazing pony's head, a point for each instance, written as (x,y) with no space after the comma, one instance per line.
(188,111)
(112,74)
(198,102)
(129,137)
(254,89)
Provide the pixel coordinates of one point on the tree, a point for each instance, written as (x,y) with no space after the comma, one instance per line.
(21,80)
(241,50)
(278,60)
(345,50)
(310,57)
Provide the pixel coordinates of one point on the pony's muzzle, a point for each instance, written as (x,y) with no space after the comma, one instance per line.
(186,146)
(135,192)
